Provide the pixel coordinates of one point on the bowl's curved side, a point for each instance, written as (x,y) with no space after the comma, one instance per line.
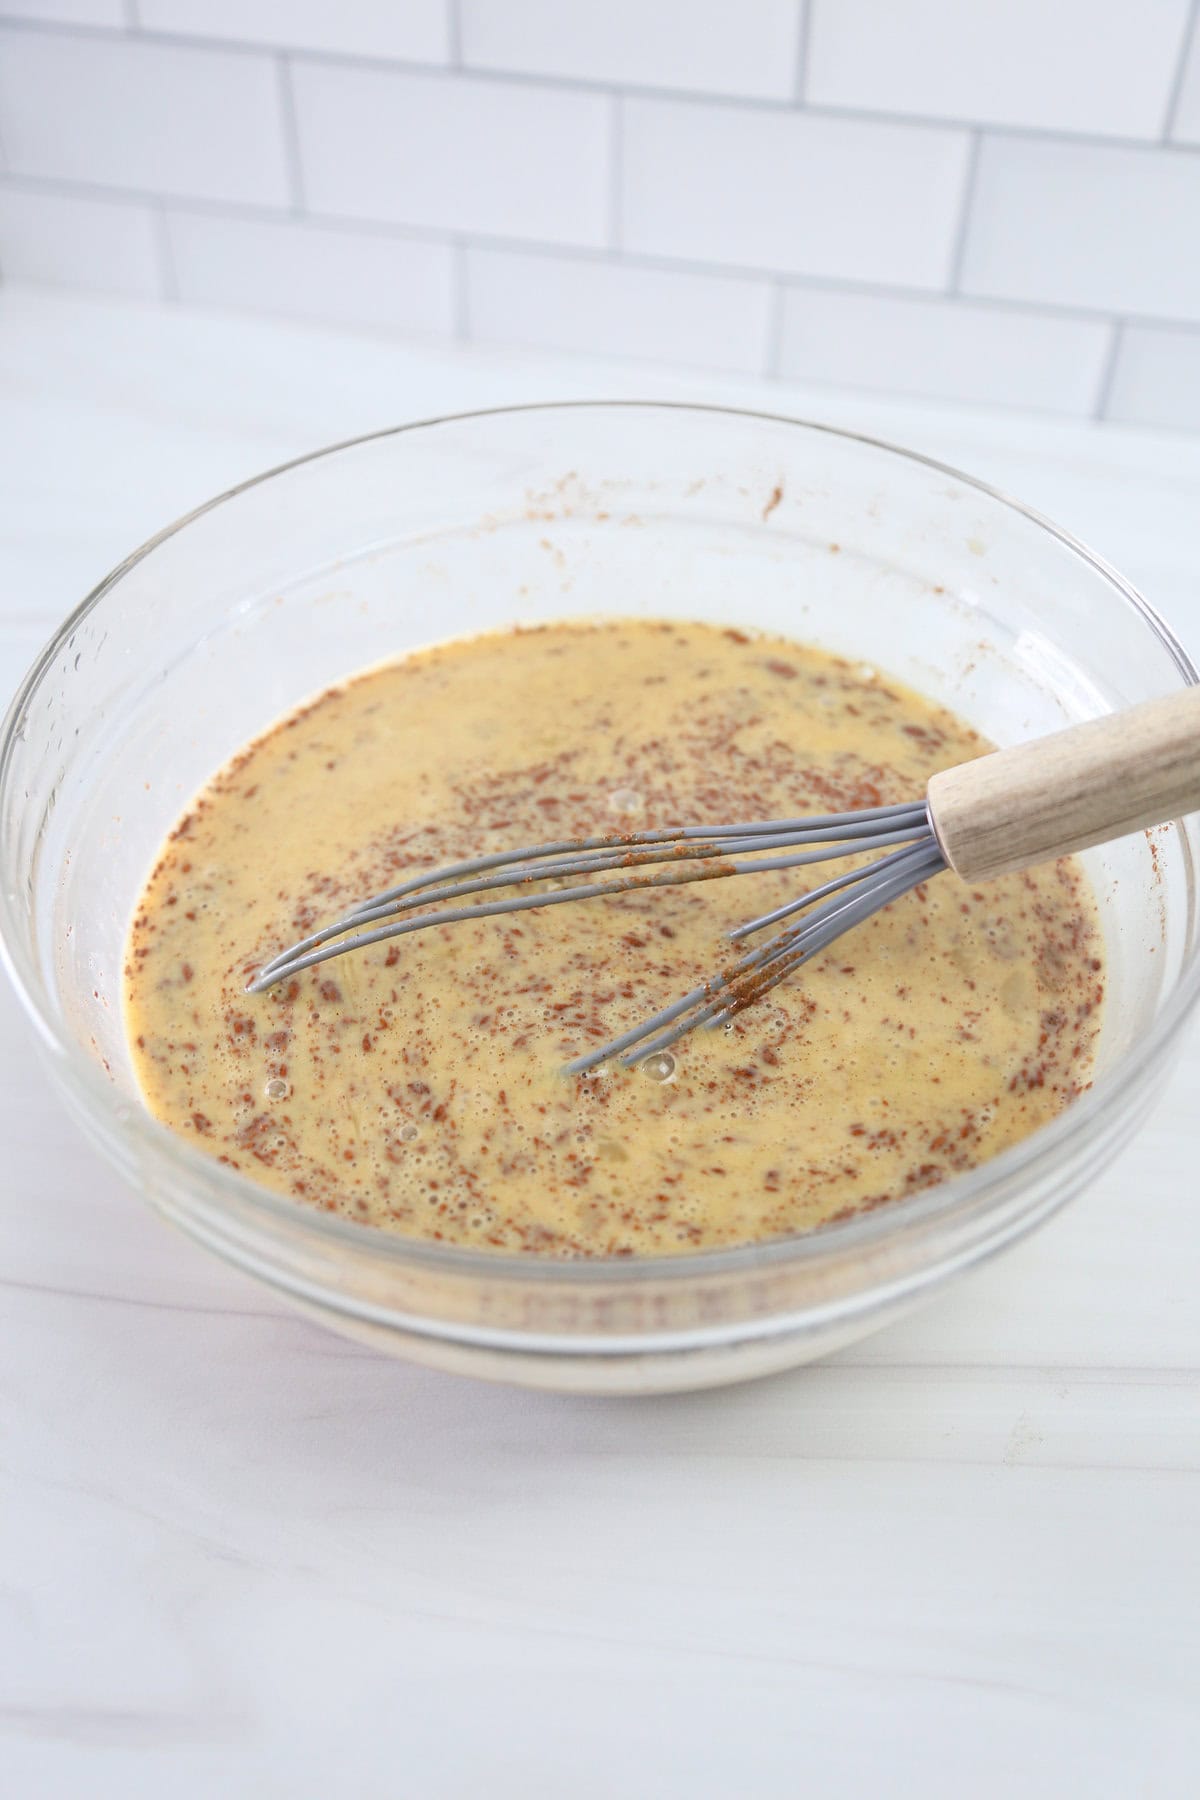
(222,569)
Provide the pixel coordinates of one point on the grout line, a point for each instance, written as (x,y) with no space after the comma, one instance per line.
(460,291)
(1108,370)
(454,33)
(773,367)
(581,85)
(942,402)
(958,252)
(1181,70)
(204,207)
(291,133)
(803,39)
(168,278)
(616,171)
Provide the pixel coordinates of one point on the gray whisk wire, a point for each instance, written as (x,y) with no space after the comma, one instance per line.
(645,846)
(755,975)
(694,853)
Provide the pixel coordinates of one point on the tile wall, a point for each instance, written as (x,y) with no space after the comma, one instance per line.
(984,200)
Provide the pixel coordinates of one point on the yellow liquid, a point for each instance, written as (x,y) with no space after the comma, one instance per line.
(416,1085)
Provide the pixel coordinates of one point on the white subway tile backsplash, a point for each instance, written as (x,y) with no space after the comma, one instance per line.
(1157,378)
(1186,124)
(412,30)
(771,189)
(1073,65)
(67,12)
(306,271)
(947,349)
(642,178)
(123,113)
(83,241)
(614,309)
(708,46)
(454,153)
(1089,225)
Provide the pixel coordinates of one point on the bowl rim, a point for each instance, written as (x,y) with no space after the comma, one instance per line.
(947,1199)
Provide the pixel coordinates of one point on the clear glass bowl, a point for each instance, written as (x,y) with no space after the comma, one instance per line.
(266,596)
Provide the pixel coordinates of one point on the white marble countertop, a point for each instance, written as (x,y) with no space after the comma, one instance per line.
(241,1556)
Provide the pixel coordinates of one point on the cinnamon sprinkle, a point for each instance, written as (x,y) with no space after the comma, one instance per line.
(414,1085)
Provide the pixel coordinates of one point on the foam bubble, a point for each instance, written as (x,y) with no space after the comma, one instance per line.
(660,1067)
(626,800)
(277,1088)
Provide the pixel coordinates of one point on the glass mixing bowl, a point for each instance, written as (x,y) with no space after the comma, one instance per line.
(262,598)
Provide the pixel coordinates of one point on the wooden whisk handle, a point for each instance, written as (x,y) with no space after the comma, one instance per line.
(1085,785)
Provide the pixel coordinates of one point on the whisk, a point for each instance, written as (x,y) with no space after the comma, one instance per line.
(999,813)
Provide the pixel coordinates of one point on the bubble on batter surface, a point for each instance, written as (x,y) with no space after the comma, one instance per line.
(626,800)
(660,1067)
